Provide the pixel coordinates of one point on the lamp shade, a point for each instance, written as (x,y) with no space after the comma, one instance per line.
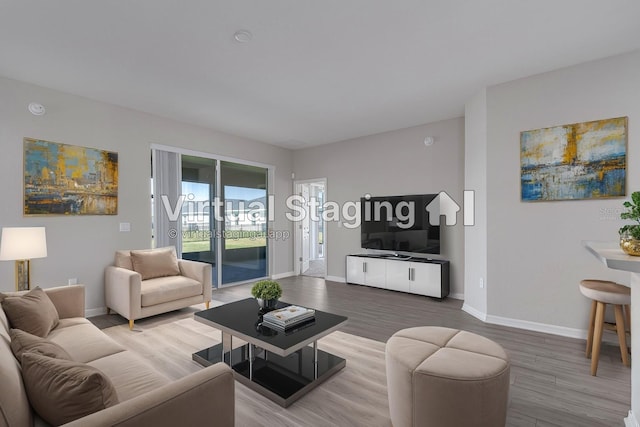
(23,243)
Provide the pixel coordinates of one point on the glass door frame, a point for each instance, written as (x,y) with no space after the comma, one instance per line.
(218,190)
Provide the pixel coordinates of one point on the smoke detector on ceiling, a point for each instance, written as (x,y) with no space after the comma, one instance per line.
(243,36)
(36,109)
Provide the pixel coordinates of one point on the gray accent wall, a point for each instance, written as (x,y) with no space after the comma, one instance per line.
(81,246)
(391,163)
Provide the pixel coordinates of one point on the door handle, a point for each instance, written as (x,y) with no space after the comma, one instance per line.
(364,267)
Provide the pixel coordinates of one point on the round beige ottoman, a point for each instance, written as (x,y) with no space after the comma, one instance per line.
(446,377)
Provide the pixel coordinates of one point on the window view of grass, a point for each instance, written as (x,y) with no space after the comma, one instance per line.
(192,242)
(196,241)
(243,227)
(245,239)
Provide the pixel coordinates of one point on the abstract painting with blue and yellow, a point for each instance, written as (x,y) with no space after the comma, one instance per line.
(62,179)
(578,161)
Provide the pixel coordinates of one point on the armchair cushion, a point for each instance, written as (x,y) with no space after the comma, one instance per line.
(165,289)
(32,312)
(63,390)
(155,262)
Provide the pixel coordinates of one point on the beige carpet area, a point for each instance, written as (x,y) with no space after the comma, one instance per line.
(355,396)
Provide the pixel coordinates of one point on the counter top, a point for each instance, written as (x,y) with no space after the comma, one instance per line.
(612,256)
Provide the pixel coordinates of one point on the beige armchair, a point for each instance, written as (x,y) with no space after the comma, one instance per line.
(144,283)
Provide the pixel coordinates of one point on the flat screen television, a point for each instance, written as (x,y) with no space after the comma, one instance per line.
(399,223)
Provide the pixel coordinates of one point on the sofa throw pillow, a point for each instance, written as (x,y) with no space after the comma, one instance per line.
(61,391)
(23,342)
(32,312)
(155,262)
(123,260)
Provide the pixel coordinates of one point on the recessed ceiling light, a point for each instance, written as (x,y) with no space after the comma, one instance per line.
(242,36)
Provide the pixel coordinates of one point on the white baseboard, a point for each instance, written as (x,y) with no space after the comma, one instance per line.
(282,275)
(91,312)
(474,312)
(535,326)
(457,296)
(631,420)
(336,279)
(538,327)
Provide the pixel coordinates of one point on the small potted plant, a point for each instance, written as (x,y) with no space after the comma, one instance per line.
(630,233)
(267,293)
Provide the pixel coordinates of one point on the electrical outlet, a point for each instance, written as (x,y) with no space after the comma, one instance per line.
(73,281)
(482,283)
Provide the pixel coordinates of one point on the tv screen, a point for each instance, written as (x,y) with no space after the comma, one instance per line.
(399,223)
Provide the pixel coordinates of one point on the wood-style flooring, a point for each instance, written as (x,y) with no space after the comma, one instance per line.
(167,343)
(550,380)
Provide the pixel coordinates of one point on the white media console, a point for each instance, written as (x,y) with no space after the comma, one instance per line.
(421,276)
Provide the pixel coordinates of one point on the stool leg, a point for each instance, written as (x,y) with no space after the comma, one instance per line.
(597,337)
(592,320)
(627,312)
(622,339)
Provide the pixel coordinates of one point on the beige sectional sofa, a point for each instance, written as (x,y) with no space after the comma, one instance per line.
(145,396)
(147,282)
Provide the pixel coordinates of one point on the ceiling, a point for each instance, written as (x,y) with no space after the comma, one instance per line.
(315,72)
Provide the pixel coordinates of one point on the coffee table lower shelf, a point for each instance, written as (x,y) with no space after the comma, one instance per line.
(281,379)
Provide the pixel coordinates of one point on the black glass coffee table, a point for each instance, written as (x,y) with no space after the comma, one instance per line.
(281,365)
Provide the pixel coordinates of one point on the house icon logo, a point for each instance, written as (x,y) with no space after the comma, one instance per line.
(444,205)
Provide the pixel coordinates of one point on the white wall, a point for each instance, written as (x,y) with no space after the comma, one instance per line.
(535,258)
(475,179)
(81,246)
(391,163)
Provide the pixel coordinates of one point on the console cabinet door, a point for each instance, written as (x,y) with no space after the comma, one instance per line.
(375,272)
(355,270)
(420,278)
(426,279)
(398,276)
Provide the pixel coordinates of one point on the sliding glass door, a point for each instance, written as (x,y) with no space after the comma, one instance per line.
(214,211)
(244,228)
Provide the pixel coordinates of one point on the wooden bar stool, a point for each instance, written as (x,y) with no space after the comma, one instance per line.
(604,292)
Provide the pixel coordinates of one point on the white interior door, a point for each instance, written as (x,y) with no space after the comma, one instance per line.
(310,232)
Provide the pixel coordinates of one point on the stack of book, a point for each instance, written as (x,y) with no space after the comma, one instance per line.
(288,317)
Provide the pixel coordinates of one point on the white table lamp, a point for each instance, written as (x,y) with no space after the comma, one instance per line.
(22,244)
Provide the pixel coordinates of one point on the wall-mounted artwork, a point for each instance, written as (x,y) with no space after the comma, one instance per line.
(61,179)
(578,161)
